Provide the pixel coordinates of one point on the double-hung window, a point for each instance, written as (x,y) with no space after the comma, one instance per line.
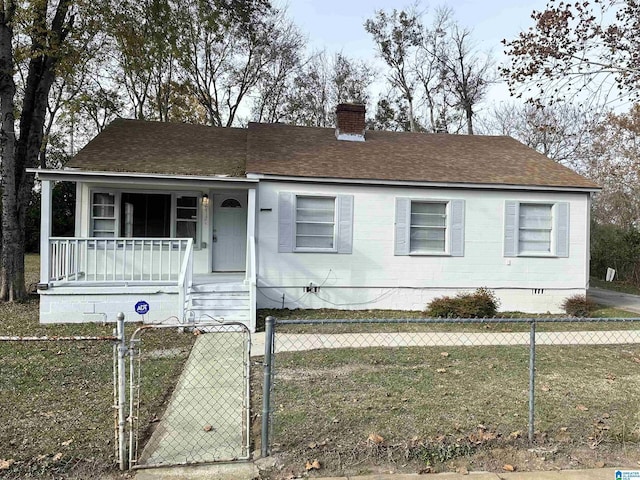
(315,223)
(536,229)
(429,227)
(103,214)
(187,217)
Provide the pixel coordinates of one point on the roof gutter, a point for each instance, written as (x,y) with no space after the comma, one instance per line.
(408,183)
(139,178)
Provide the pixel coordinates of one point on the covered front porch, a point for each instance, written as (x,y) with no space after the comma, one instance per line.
(183,245)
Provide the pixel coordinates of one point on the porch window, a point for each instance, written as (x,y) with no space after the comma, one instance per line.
(144,215)
(103,214)
(186,217)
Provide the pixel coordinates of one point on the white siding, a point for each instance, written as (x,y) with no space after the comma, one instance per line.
(373,277)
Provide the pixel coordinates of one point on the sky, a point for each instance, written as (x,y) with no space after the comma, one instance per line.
(337,25)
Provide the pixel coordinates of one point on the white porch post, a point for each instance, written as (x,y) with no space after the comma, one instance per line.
(45,231)
(251,213)
(250,273)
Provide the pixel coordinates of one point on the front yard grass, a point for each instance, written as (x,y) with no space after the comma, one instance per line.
(57,397)
(368,410)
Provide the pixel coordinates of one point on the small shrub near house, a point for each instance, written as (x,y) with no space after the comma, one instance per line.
(579,306)
(482,303)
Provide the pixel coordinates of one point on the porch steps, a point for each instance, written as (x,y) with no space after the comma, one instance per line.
(219,301)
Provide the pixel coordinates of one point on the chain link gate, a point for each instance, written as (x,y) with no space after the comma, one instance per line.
(206,416)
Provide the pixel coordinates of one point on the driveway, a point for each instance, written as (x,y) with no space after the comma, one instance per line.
(623,301)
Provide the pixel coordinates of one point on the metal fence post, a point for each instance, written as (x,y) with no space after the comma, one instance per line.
(122,394)
(266,385)
(532,377)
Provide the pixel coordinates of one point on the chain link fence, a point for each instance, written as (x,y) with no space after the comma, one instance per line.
(432,390)
(59,402)
(205,417)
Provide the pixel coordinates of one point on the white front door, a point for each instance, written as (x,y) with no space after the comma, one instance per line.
(229,233)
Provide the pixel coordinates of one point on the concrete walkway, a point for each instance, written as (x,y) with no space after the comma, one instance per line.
(206,419)
(294,342)
(624,301)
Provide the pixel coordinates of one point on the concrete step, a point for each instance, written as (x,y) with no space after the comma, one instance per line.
(204,314)
(239,296)
(220,288)
(218,303)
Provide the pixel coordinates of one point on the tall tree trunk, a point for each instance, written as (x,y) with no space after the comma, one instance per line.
(11,265)
(20,154)
(469,113)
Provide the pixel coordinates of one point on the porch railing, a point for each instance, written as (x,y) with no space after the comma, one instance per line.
(100,260)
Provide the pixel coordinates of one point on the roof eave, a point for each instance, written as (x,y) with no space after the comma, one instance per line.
(413,183)
(91,175)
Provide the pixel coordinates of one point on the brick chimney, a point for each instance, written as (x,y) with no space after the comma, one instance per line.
(350,122)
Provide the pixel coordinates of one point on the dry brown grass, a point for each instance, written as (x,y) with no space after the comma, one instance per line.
(468,408)
(57,397)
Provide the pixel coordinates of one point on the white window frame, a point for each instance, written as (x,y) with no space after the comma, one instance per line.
(117,193)
(560,229)
(334,249)
(552,231)
(116,211)
(447,227)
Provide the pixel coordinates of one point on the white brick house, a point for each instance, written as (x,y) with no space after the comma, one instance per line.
(204,222)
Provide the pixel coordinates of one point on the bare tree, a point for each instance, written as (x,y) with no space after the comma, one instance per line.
(320,84)
(276,78)
(562,132)
(397,36)
(466,72)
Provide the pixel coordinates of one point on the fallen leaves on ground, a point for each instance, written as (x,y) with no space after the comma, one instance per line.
(314,465)
(582,408)
(375,438)
(4,464)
